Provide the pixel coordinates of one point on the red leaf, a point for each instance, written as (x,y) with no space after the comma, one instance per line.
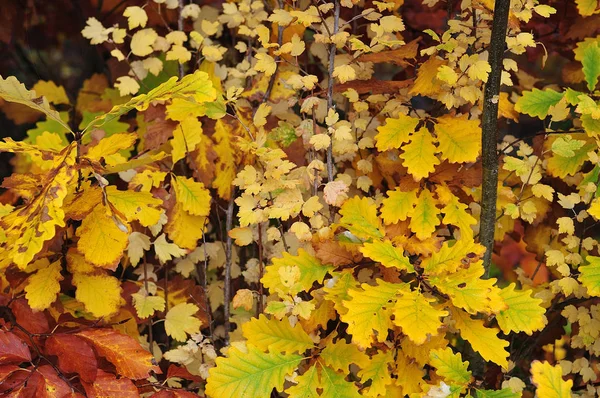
(7,370)
(13,349)
(32,321)
(128,356)
(107,385)
(74,355)
(54,385)
(174,394)
(180,371)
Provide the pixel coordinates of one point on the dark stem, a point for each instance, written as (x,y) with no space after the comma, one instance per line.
(332,51)
(228,261)
(260,305)
(277,59)
(180,28)
(489,138)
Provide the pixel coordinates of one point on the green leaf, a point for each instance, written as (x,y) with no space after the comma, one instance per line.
(425,216)
(566,146)
(450,365)
(311,270)
(194,87)
(276,336)
(251,374)
(589,275)
(307,385)
(334,385)
(359,216)
(370,310)
(524,313)
(536,103)
(111,127)
(504,393)
(12,90)
(377,370)
(51,126)
(591,65)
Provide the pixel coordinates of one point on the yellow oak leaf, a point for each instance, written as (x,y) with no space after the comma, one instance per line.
(277,335)
(412,308)
(310,269)
(180,109)
(146,305)
(186,137)
(369,311)
(395,132)
(427,83)
(194,198)
(425,218)
(340,355)
(250,373)
(419,155)
(549,380)
(524,313)
(307,384)
(398,206)
(410,374)
(378,371)
(141,206)
(450,366)
(483,340)
(43,286)
(110,145)
(225,137)
(100,294)
(359,216)
(469,291)
(449,258)
(386,254)
(102,238)
(590,275)
(181,320)
(455,213)
(459,138)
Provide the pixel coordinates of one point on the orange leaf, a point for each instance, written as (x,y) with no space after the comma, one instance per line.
(74,355)
(128,356)
(107,385)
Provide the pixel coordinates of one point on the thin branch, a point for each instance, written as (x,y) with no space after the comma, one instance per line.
(277,59)
(180,28)
(489,139)
(228,263)
(332,51)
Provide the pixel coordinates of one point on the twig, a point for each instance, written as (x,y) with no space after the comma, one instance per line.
(180,28)
(203,276)
(260,306)
(150,337)
(489,139)
(228,261)
(277,59)
(332,51)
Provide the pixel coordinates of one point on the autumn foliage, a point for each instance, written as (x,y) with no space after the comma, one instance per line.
(283,198)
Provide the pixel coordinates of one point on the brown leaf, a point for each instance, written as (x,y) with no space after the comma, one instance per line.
(32,321)
(158,128)
(74,355)
(374,86)
(13,349)
(330,252)
(107,385)
(398,56)
(90,96)
(54,386)
(174,394)
(182,372)
(128,356)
